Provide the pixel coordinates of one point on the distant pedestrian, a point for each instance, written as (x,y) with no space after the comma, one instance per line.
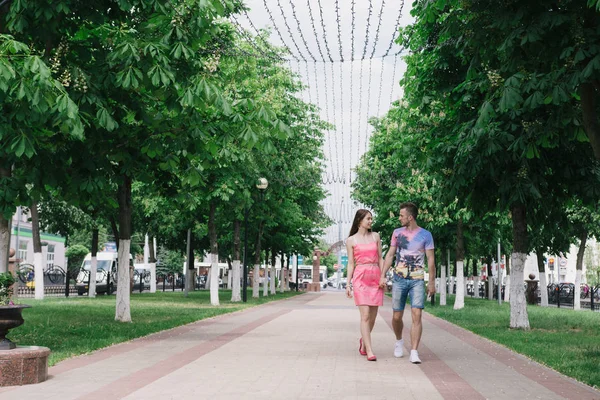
(364,272)
(410,244)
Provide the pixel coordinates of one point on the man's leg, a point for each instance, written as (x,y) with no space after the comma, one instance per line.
(417,300)
(416,329)
(397,324)
(399,293)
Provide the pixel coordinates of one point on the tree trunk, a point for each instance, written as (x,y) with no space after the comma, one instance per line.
(443,285)
(5,225)
(489,284)
(236,293)
(257,258)
(282,280)
(5,243)
(94,265)
(542,275)
(38,262)
(266,275)
(287,273)
(518,305)
(587,93)
(459,300)
(475,272)
(123,306)
(273,272)
(151,251)
(214,254)
(578,270)
(189,264)
(115,230)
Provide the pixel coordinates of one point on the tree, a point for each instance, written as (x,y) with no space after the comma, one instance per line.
(37,112)
(500,149)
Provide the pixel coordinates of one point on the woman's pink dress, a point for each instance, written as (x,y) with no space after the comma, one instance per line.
(365,280)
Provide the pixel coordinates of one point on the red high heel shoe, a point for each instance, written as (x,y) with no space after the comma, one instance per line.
(360,350)
(372,358)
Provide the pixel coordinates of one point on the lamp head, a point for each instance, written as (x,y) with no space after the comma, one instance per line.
(262,184)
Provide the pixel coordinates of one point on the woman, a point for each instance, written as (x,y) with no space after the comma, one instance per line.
(364,270)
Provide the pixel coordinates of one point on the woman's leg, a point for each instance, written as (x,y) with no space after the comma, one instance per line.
(372,316)
(365,329)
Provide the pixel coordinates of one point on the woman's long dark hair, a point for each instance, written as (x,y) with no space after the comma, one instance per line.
(360,215)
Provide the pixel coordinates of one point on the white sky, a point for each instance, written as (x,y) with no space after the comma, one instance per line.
(339,81)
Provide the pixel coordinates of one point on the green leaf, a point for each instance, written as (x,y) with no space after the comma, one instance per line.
(106,120)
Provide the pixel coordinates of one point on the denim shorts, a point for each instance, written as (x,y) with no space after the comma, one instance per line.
(401,288)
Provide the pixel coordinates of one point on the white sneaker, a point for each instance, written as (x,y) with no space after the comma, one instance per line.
(399,348)
(414,357)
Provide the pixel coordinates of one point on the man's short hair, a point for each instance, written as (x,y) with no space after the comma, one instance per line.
(411,208)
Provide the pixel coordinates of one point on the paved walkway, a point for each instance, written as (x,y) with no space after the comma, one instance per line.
(300,348)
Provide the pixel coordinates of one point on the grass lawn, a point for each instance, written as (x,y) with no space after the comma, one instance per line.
(565,340)
(79,325)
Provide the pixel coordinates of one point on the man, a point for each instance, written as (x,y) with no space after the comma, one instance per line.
(410,244)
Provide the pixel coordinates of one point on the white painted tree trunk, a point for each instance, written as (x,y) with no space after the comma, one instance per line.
(476,287)
(38,267)
(490,283)
(266,281)
(123,307)
(452,285)
(152,277)
(236,292)
(543,289)
(284,280)
(577,298)
(214,279)
(459,300)
(507,289)
(443,286)
(93,270)
(208,278)
(256,281)
(518,304)
(272,283)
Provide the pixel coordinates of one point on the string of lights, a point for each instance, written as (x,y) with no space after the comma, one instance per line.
(300,31)
(277,30)
(396,28)
(324,32)
(300,54)
(367,31)
(308,81)
(338,105)
(380,88)
(360,90)
(353,26)
(393,79)
(339,36)
(378,27)
(368,107)
(337,150)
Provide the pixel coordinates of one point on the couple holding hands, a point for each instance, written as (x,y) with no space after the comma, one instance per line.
(410,245)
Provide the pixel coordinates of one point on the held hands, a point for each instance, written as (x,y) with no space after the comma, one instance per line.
(382,282)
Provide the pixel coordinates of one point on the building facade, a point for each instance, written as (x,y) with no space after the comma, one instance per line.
(21,239)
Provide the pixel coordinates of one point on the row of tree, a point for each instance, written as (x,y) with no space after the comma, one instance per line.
(154,117)
(497,136)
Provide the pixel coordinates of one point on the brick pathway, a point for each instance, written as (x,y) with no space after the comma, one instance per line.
(301,348)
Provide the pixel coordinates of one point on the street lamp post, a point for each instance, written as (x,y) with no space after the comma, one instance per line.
(262,185)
